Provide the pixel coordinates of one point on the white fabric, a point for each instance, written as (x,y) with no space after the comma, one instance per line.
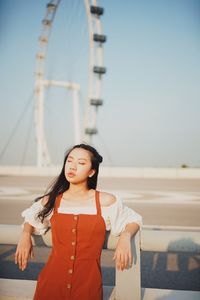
(116,216)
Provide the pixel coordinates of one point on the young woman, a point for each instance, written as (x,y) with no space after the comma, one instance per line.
(79,216)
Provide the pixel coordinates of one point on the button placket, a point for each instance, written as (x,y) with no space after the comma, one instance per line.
(72,255)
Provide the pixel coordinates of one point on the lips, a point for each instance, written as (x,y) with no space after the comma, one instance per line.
(71,174)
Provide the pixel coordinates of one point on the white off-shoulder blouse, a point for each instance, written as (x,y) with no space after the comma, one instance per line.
(116,215)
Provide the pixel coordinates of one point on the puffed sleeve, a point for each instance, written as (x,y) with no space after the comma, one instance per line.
(119,215)
(30,216)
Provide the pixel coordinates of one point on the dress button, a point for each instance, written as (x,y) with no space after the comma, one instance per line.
(70,271)
(75,218)
(68,285)
(74,230)
(72,257)
(73,243)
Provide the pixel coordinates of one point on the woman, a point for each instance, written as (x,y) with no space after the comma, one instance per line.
(79,216)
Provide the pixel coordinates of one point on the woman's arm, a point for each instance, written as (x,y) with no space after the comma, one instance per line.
(131,229)
(122,255)
(31,225)
(125,222)
(24,249)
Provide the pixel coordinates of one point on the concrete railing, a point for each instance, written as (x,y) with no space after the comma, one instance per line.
(150,238)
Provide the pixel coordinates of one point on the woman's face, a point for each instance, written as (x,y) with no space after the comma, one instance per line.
(78,166)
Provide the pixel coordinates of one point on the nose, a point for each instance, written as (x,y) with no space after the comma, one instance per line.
(73,167)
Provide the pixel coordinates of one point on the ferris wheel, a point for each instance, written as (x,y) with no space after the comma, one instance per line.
(96,70)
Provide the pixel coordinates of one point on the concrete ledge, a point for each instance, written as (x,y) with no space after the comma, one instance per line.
(164,240)
(114,172)
(158,294)
(20,289)
(10,234)
(153,238)
(12,289)
(13,298)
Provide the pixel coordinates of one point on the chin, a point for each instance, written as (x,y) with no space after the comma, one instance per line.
(73,180)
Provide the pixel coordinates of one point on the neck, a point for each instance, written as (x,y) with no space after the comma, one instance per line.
(78,189)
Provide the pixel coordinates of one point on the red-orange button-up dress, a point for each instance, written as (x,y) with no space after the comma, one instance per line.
(73,269)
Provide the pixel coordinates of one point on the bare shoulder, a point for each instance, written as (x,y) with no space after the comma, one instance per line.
(44,200)
(107,199)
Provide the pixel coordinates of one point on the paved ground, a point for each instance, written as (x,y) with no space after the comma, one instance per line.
(160,202)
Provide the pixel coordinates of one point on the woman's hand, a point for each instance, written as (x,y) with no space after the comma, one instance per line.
(122,255)
(24,250)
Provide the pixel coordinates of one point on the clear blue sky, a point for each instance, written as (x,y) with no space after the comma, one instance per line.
(151,91)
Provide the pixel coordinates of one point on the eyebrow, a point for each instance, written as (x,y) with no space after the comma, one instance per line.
(78,158)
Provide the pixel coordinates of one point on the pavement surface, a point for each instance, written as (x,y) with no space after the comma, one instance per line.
(160,201)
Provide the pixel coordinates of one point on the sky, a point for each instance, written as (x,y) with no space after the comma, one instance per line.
(151,91)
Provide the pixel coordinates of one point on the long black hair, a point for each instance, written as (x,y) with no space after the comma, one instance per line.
(61,184)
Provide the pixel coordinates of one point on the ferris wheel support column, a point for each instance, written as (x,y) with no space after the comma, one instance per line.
(76,116)
(40,126)
(42,153)
(39,121)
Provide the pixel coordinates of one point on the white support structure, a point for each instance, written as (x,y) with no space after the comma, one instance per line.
(76,117)
(43,156)
(94,80)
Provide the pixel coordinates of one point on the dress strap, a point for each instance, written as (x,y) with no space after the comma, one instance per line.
(57,202)
(98,206)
